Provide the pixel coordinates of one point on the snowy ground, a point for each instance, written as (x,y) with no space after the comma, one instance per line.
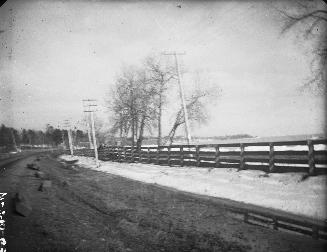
(279,191)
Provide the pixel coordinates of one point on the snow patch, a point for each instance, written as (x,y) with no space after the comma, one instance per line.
(283,191)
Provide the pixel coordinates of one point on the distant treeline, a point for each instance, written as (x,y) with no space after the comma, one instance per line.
(51,136)
(226,137)
(153,140)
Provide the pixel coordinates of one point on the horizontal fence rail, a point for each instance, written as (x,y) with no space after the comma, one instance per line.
(305,226)
(288,156)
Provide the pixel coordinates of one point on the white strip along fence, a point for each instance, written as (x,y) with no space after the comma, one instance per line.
(308,156)
(280,156)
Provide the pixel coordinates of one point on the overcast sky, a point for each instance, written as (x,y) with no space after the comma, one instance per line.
(53,54)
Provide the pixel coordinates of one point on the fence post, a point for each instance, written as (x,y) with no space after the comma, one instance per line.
(271,158)
(182,156)
(275,223)
(311,158)
(109,153)
(158,153)
(197,149)
(246,217)
(124,153)
(119,154)
(217,158)
(149,155)
(129,158)
(168,157)
(132,154)
(315,233)
(242,163)
(140,154)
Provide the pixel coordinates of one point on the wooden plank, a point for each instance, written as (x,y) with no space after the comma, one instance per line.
(256,153)
(224,153)
(294,228)
(207,153)
(318,161)
(230,160)
(260,160)
(290,160)
(321,153)
(206,158)
(228,165)
(319,141)
(175,152)
(292,152)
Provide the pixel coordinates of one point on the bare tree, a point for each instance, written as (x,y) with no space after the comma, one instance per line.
(133,104)
(160,78)
(196,107)
(146,104)
(312,17)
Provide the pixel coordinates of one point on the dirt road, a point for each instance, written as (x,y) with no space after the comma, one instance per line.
(86,210)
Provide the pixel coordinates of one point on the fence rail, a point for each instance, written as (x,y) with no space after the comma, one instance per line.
(309,156)
(305,155)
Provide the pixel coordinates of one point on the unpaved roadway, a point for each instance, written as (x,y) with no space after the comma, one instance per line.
(86,210)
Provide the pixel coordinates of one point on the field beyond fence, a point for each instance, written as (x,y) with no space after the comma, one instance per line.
(279,156)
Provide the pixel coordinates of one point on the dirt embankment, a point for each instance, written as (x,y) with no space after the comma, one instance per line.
(86,210)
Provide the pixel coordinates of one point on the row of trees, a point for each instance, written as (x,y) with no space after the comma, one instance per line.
(51,136)
(139,99)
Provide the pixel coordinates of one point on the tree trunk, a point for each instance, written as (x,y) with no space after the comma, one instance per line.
(140,138)
(159,120)
(178,121)
(136,121)
(121,130)
(172,133)
(133,131)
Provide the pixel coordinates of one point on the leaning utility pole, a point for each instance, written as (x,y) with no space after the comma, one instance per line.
(181,94)
(69,132)
(90,107)
(88,127)
(87,123)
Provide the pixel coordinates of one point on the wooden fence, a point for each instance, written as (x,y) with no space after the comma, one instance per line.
(305,156)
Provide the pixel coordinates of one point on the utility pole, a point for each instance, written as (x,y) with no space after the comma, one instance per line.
(181,94)
(69,131)
(87,126)
(62,135)
(13,138)
(90,107)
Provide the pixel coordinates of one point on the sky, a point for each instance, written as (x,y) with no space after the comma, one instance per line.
(53,54)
